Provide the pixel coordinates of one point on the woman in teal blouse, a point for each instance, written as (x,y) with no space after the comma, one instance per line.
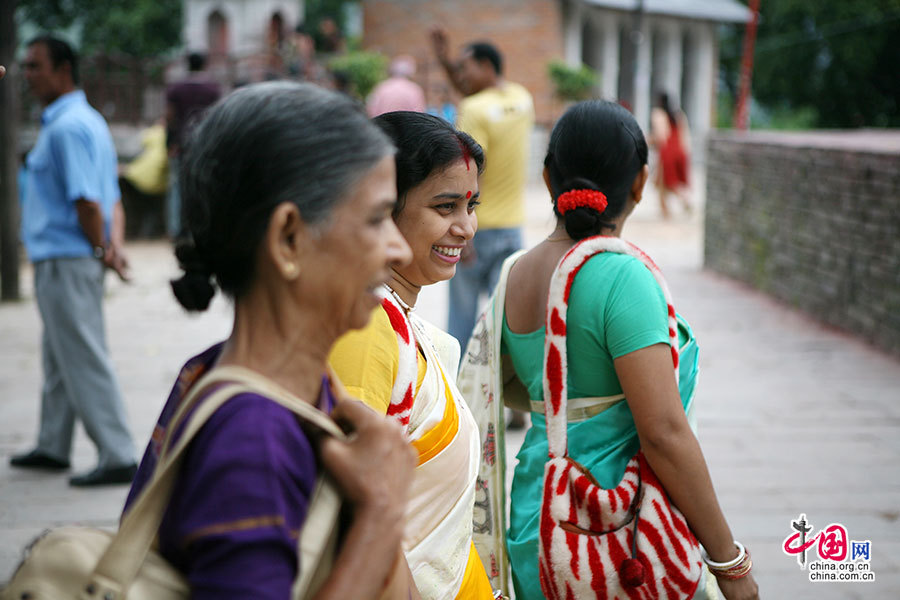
(618,351)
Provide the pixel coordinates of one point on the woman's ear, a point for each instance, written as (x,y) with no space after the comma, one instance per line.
(286,237)
(637,186)
(546,175)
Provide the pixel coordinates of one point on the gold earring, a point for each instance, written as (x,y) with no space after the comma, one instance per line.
(291,270)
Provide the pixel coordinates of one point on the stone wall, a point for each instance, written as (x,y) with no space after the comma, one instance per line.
(527,32)
(813,219)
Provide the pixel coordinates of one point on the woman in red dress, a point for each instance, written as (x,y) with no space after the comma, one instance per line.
(669,134)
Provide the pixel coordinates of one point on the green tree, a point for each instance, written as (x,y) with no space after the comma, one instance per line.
(363,69)
(316,10)
(139,28)
(572,83)
(833,60)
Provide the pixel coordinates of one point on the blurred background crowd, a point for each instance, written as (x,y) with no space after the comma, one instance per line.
(560,51)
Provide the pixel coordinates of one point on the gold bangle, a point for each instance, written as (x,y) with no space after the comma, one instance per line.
(742,569)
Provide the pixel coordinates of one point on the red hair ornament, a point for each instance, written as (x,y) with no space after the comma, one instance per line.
(576,198)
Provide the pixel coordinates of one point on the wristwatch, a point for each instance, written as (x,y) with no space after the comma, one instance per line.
(99,252)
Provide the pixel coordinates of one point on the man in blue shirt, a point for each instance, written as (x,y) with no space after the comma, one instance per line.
(72,226)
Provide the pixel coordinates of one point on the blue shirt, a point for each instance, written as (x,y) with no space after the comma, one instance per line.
(74,158)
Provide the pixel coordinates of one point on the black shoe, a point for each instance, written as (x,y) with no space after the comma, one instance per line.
(38,460)
(105,476)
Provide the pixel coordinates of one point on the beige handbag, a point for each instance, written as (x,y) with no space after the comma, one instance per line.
(93,564)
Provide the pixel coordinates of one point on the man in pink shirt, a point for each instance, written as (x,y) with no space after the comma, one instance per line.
(397,92)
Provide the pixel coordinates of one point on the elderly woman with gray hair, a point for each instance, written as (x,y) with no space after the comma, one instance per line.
(289,193)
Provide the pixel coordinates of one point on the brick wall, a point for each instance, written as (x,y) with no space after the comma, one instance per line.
(527,32)
(814,220)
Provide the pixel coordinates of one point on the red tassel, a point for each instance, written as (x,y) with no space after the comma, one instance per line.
(631,571)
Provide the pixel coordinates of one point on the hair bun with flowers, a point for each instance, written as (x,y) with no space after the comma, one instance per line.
(577,198)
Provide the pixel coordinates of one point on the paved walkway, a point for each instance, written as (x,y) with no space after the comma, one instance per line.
(794,417)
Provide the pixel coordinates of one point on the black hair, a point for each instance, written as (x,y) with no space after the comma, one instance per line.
(342,82)
(60,52)
(487,51)
(595,145)
(196,61)
(425,144)
(263,145)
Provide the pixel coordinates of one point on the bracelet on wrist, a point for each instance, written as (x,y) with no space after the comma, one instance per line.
(738,572)
(727,564)
(735,568)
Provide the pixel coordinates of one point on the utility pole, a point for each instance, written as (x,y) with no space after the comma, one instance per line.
(741,111)
(9,144)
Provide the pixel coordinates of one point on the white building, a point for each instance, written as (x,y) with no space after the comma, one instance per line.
(237,29)
(641,47)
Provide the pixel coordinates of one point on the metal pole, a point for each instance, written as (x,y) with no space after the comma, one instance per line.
(741,109)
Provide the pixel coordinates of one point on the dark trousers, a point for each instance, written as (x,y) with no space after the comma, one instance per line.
(144,213)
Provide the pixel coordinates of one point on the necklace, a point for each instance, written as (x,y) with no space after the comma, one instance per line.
(399,300)
(564,238)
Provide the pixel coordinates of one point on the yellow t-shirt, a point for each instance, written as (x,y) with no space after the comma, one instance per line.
(149,172)
(501,120)
(366,360)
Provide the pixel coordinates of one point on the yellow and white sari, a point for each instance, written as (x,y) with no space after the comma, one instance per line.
(404,367)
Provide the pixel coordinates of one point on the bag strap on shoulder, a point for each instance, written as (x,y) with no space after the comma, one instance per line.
(555,351)
(123,558)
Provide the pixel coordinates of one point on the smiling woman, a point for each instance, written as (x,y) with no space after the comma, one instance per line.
(438,220)
(404,367)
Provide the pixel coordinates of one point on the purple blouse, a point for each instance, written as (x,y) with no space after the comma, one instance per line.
(242,495)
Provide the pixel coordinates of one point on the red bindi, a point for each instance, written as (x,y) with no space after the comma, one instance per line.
(468,195)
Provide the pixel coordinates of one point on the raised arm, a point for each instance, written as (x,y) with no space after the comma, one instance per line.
(675,456)
(441,47)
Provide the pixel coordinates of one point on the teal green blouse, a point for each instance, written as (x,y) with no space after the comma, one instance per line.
(616,307)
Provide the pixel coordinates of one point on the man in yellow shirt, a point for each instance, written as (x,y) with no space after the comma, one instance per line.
(499,114)
(144,182)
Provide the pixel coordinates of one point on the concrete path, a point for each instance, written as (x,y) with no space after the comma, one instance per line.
(794,417)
